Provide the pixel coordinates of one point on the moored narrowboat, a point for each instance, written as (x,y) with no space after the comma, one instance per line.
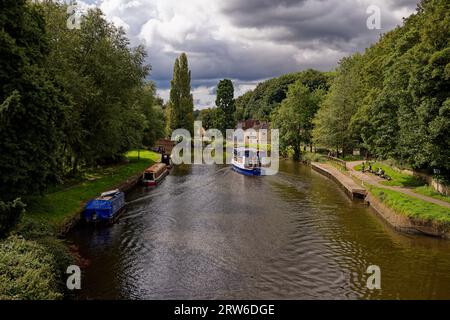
(154,174)
(104,208)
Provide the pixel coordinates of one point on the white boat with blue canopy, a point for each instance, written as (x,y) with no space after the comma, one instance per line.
(248,161)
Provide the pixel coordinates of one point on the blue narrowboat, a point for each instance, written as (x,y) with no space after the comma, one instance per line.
(104,208)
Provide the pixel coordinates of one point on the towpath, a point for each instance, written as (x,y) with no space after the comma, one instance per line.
(376,181)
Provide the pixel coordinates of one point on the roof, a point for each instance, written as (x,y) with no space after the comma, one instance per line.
(253,124)
(156,167)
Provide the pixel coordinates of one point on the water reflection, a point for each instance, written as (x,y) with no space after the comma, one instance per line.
(208,232)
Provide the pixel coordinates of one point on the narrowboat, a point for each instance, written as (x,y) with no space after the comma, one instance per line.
(153,175)
(104,208)
(247,161)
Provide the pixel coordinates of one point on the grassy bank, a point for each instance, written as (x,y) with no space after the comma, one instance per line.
(410,206)
(398,178)
(406,180)
(33,260)
(59,205)
(430,192)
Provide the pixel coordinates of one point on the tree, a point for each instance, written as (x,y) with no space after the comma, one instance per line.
(154,123)
(332,123)
(225,102)
(32,106)
(404,110)
(294,117)
(267,96)
(181,104)
(206,117)
(104,78)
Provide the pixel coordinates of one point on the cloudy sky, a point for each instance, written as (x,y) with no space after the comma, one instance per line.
(247,40)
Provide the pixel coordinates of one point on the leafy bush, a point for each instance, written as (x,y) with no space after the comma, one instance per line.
(26,271)
(62,258)
(45,234)
(32,229)
(10,213)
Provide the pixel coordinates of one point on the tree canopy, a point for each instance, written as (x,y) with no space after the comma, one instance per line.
(69,98)
(394,99)
(295,115)
(267,96)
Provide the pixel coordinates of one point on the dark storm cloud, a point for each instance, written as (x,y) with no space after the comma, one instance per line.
(249,40)
(339,24)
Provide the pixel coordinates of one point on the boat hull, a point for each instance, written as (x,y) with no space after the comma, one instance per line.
(247,172)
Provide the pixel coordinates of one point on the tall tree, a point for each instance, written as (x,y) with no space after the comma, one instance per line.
(173,106)
(181,104)
(225,102)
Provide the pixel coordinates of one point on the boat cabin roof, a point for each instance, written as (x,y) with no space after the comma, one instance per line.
(245,151)
(108,195)
(157,167)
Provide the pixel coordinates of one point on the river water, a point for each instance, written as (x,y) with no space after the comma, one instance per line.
(208,232)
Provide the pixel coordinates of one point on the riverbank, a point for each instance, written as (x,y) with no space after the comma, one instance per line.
(33,260)
(404,211)
(352,189)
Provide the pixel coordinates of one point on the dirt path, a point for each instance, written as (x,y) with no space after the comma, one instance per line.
(374,180)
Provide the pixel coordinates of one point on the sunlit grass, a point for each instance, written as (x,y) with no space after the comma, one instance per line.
(430,192)
(410,206)
(397,178)
(63,201)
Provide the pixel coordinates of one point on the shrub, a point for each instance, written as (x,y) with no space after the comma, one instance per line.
(26,271)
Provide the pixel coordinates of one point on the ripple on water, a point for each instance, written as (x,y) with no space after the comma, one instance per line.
(208,232)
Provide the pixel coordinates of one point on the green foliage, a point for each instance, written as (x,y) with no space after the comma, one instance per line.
(26,271)
(206,117)
(332,124)
(154,123)
(398,178)
(105,79)
(412,207)
(225,102)
(260,102)
(32,107)
(430,192)
(69,98)
(60,205)
(398,93)
(219,120)
(10,214)
(181,104)
(294,116)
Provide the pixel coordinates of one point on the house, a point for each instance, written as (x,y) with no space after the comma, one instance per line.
(261,127)
(164,146)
